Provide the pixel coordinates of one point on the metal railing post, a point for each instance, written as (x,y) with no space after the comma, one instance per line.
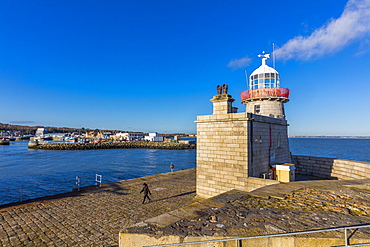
(78,183)
(345,237)
(238,243)
(98,179)
(29,192)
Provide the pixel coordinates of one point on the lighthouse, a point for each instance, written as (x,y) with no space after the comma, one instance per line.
(265,96)
(244,150)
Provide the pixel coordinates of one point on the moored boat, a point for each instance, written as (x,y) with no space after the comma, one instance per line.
(4,141)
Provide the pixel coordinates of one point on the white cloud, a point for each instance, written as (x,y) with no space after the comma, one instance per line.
(353,24)
(239,63)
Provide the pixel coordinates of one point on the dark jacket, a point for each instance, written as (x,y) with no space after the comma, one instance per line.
(146,190)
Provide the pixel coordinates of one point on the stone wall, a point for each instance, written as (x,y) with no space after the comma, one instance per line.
(271,108)
(269,143)
(331,168)
(129,240)
(108,145)
(233,147)
(222,153)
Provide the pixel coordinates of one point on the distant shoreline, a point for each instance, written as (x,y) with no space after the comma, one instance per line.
(333,137)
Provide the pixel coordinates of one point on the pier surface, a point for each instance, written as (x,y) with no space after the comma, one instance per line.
(93,217)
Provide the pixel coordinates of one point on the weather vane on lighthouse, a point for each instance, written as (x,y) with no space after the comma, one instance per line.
(264,57)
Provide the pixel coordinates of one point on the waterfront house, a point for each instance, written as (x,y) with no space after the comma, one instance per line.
(153,137)
(130,136)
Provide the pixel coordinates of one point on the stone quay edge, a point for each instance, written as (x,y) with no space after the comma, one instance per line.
(109,145)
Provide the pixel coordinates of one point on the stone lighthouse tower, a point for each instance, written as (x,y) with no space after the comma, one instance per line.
(242,150)
(265,96)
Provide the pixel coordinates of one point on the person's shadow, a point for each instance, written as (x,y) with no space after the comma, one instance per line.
(183,194)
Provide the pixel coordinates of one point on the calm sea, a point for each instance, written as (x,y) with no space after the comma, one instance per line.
(21,167)
(350,149)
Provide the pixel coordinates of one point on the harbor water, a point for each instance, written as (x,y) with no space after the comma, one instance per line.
(21,167)
(340,148)
(31,173)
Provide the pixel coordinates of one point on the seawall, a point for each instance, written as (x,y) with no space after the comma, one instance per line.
(331,168)
(109,145)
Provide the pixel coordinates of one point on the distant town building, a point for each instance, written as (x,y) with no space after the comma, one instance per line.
(130,136)
(41,132)
(56,135)
(153,137)
(5,133)
(96,134)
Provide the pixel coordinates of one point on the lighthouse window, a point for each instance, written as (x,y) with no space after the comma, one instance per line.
(255,84)
(257,109)
(267,75)
(273,83)
(268,83)
(261,83)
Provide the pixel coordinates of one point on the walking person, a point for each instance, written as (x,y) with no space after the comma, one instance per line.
(146,192)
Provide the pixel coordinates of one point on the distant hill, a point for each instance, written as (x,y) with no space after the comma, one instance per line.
(30,130)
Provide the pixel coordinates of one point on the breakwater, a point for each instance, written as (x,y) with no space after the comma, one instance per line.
(110,145)
(331,168)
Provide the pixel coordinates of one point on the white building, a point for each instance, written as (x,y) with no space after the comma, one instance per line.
(153,137)
(130,136)
(40,132)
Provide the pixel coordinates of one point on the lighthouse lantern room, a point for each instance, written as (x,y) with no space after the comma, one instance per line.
(265,96)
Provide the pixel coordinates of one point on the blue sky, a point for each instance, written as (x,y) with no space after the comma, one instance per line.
(153,65)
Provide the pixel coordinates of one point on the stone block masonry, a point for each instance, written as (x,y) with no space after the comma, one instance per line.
(331,168)
(234,150)
(109,145)
(218,143)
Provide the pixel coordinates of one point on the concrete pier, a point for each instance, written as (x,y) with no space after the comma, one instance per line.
(94,216)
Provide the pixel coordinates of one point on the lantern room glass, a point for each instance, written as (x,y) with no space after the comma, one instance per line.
(264,80)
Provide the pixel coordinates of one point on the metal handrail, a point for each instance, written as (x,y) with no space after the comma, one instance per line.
(265,92)
(237,240)
(50,187)
(98,179)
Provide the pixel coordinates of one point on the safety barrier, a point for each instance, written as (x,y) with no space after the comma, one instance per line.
(238,241)
(48,189)
(265,92)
